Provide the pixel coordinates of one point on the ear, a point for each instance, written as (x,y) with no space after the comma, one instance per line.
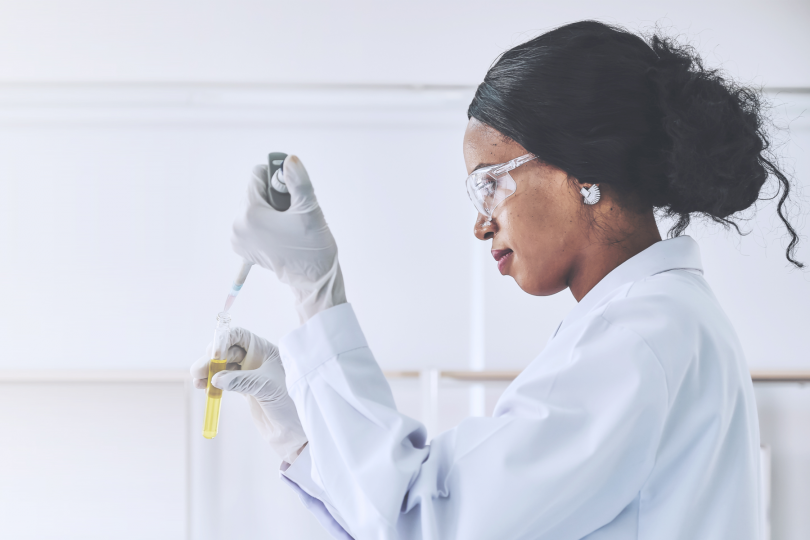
(579,185)
(576,186)
(590,193)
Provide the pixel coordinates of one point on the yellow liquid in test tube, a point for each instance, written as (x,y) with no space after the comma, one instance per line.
(213,399)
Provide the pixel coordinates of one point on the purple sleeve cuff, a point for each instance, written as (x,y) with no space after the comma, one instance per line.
(299,477)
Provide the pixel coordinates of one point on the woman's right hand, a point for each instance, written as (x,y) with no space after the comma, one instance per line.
(260,378)
(295,244)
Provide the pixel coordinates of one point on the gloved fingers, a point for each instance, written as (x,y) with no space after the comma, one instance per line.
(199,369)
(236,354)
(254,357)
(263,348)
(257,349)
(265,384)
(243,382)
(238,337)
(302,194)
(257,187)
(202,384)
(246,238)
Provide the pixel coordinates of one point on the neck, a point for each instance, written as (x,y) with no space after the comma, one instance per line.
(601,255)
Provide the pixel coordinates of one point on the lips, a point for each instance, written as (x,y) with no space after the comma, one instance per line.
(503,257)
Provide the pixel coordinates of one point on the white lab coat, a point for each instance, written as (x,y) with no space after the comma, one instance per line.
(637,421)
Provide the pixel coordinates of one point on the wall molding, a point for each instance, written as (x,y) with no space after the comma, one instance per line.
(182,376)
(230,104)
(93,376)
(213,104)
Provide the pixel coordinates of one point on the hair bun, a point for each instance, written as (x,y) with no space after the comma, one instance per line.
(714,128)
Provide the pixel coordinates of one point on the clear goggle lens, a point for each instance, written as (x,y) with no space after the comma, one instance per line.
(487,190)
(490,186)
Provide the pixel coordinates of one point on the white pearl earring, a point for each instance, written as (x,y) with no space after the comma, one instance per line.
(592,195)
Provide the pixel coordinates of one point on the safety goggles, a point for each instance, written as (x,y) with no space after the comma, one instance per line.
(490,186)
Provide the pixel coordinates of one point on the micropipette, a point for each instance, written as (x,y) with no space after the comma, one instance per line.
(279,198)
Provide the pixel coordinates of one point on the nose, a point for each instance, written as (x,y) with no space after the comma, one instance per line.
(484,228)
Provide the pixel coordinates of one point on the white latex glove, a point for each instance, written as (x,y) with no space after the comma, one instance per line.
(261,381)
(295,244)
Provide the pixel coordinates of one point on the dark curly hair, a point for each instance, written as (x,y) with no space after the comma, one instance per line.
(646,117)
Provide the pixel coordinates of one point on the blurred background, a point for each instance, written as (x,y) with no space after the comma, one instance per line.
(128,131)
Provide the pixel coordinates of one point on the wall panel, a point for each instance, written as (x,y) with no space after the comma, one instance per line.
(93,460)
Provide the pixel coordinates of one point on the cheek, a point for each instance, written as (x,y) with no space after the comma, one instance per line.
(535,226)
(543,237)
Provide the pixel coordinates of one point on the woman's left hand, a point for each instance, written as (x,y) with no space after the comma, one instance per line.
(262,381)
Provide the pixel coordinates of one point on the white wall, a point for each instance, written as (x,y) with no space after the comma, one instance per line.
(92,460)
(127,134)
(362,41)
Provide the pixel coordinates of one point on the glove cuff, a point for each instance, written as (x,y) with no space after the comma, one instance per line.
(327,292)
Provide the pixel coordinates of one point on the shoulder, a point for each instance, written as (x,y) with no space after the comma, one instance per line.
(677,299)
(678,317)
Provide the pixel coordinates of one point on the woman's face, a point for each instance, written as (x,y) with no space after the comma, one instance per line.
(538,232)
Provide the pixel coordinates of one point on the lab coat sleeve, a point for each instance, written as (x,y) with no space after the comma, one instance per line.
(312,496)
(565,453)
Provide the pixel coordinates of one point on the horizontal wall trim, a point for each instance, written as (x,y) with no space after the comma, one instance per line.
(93,376)
(154,104)
(180,376)
(251,105)
(288,86)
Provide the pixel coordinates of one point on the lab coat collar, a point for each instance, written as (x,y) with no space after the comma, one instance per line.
(681,253)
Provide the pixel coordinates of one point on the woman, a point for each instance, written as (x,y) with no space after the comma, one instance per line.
(638,418)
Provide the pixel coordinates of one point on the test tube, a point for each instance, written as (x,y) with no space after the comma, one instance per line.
(219,357)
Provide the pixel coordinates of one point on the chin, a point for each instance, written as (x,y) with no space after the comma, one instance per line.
(537,287)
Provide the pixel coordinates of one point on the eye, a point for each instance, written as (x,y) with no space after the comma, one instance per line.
(486,185)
